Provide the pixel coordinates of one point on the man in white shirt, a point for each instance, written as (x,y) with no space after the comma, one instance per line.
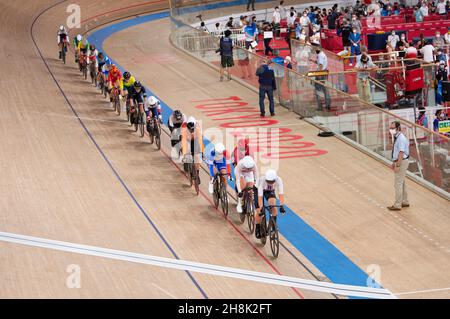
(424,9)
(441,9)
(276,19)
(282,10)
(290,21)
(304,20)
(393,39)
(374,9)
(428,53)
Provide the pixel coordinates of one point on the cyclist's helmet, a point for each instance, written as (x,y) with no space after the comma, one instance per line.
(219,148)
(248,162)
(178,115)
(271,176)
(61,28)
(79,37)
(126,75)
(137,86)
(92,47)
(191,123)
(100,55)
(152,100)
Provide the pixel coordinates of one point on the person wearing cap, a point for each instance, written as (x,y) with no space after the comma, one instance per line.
(267,85)
(364,66)
(400,163)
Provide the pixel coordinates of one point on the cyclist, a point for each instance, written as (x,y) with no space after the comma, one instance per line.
(268,184)
(175,121)
(192,143)
(218,161)
(77,40)
(246,174)
(103,68)
(137,95)
(93,53)
(128,81)
(152,105)
(62,39)
(83,47)
(114,80)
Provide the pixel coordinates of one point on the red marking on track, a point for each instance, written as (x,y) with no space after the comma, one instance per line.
(124,8)
(236,229)
(245,116)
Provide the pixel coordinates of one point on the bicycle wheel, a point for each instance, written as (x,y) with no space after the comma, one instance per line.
(151,131)
(91,74)
(85,71)
(242,216)
(216,194)
(273,237)
(263,229)
(250,212)
(224,199)
(128,110)
(142,124)
(195,179)
(190,165)
(158,136)
(136,121)
(63,55)
(118,104)
(105,90)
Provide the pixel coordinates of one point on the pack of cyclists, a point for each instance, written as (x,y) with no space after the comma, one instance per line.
(186,134)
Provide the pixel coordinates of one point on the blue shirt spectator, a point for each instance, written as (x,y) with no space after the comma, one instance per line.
(401,144)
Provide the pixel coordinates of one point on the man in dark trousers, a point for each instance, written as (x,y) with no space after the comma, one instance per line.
(251,2)
(226,54)
(267,85)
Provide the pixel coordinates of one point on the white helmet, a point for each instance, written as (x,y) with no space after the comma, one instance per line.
(61,28)
(191,123)
(152,100)
(271,175)
(79,37)
(248,162)
(219,148)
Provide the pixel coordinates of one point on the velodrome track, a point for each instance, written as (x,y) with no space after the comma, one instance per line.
(90,180)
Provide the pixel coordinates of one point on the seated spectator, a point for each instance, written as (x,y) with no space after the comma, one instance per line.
(438,41)
(422,119)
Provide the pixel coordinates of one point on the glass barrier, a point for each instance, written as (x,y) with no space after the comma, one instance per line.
(323,101)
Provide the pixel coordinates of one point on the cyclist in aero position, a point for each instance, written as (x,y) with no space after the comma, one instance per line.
(76,41)
(268,184)
(152,105)
(114,80)
(83,47)
(92,58)
(246,174)
(137,95)
(192,143)
(63,37)
(175,121)
(103,66)
(218,161)
(128,82)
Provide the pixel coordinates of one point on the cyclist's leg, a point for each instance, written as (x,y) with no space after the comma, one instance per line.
(223,170)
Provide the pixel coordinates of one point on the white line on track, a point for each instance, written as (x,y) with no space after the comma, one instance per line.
(422,291)
(346,290)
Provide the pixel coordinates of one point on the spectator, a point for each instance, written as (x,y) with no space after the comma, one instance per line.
(217,29)
(374,9)
(441,7)
(393,39)
(203,27)
(355,39)
(438,41)
(422,42)
(292,9)
(244,63)
(226,54)
(428,53)
(447,37)
(290,21)
(411,51)
(315,38)
(364,66)
(365,52)
(439,116)
(300,34)
(322,65)
(267,28)
(422,119)
(400,163)
(345,32)
(441,56)
(441,75)
(241,23)
(230,24)
(250,32)
(331,18)
(424,9)
(276,20)
(288,62)
(418,14)
(356,24)
(282,10)
(267,85)
(304,21)
(251,2)
(302,56)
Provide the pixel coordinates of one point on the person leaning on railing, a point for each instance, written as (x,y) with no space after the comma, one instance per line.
(364,66)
